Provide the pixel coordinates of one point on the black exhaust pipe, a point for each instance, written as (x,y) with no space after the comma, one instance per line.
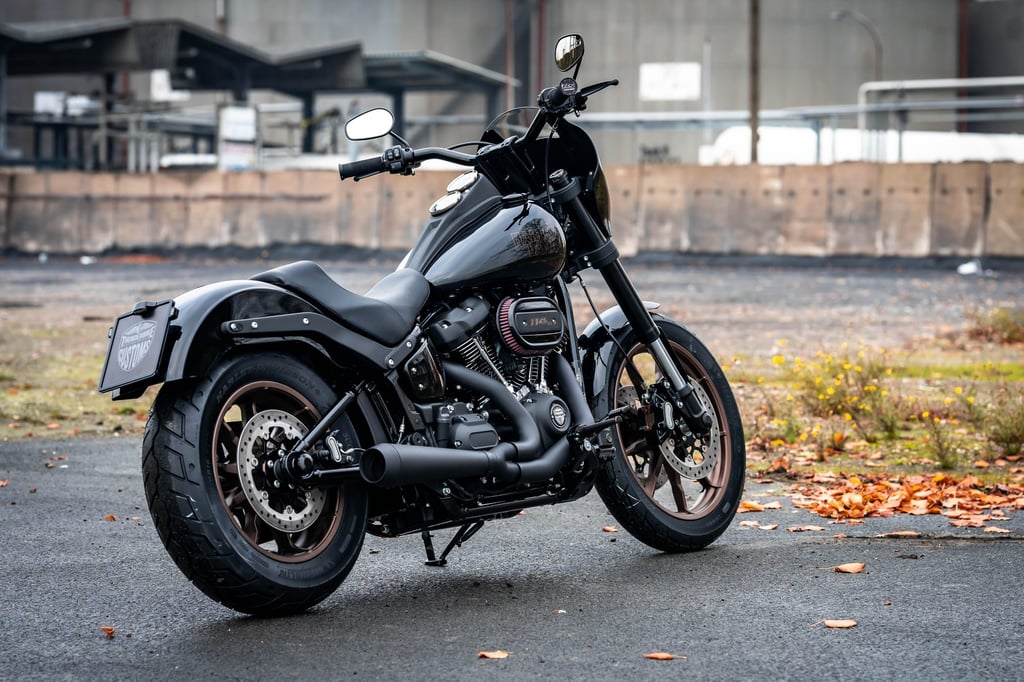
(389,465)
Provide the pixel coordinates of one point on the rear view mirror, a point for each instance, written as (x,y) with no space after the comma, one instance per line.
(568,51)
(370,125)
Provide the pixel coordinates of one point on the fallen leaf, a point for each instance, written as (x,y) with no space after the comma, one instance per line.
(32,490)
(773,505)
(748,506)
(900,534)
(4,482)
(772,526)
(110,517)
(609,529)
(996,529)
(804,529)
(662,656)
(108,630)
(853,567)
(840,624)
(493,654)
(750,524)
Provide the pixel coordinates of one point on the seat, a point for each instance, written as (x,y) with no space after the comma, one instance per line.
(386,313)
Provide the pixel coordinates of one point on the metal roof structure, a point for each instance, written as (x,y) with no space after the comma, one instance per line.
(201,59)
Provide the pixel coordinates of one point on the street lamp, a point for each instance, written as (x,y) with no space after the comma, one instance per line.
(870,27)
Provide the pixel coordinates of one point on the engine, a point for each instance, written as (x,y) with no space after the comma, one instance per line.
(508,341)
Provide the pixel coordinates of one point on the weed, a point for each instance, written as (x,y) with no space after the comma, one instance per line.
(1005,423)
(1003,325)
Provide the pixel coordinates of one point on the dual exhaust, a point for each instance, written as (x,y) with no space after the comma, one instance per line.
(520,461)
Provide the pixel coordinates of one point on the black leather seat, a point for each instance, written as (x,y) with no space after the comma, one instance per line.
(386,313)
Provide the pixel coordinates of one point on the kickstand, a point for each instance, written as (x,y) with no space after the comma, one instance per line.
(464,533)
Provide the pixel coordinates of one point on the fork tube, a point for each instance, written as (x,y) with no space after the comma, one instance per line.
(605,257)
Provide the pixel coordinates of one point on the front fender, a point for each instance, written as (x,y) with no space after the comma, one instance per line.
(598,341)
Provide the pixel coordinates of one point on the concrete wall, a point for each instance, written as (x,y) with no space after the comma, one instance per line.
(905,210)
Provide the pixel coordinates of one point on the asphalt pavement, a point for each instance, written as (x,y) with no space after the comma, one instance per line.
(564,598)
(567,600)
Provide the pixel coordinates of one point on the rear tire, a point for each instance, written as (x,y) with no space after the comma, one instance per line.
(674,493)
(254,547)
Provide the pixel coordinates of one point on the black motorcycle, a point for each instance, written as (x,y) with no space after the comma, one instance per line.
(295,415)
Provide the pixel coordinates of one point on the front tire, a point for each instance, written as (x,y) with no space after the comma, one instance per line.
(253,546)
(670,490)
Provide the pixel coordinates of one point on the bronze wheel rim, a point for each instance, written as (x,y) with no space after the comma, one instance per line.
(258,421)
(686,480)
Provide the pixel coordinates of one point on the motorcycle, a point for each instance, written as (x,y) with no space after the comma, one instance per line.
(296,416)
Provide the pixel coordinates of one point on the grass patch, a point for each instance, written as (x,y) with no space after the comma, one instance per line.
(48,381)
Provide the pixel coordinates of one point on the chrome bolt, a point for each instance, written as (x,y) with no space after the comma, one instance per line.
(254,324)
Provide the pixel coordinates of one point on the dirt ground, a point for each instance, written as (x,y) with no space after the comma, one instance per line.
(54,316)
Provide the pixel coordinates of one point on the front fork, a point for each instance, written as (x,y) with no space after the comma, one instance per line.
(604,256)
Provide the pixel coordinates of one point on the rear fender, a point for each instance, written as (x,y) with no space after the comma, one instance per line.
(194,341)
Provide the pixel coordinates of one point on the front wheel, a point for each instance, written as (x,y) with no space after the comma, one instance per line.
(254,543)
(671,490)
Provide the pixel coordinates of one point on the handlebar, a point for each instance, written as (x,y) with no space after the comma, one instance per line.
(554,102)
(401,160)
(361,169)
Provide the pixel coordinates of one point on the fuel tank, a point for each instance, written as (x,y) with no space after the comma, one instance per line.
(476,237)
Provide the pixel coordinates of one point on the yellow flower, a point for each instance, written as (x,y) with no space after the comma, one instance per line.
(760,380)
(970,400)
(925,414)
(958,390)
(847,416)
(830,390)
(778,360)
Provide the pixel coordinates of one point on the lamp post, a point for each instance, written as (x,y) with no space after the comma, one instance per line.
(870,27)
(866,144)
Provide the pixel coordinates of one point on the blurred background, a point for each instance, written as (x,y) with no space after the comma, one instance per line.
(158,71)
(884,127)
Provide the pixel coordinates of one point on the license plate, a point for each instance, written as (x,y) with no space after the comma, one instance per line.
(136,347)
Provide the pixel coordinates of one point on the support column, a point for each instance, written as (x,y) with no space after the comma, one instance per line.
(308,127)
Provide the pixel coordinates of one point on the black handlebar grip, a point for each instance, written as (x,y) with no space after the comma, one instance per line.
(358,169)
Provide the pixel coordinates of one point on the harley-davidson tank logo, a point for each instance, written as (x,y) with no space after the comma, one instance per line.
(135,344)
(537,239)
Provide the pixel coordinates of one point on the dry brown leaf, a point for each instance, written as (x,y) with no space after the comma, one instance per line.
(804,529)
(4,482)
(662,656)
(750,524)
(32,490)
(853,567)
(841,624)
(609,529)
(772,526)
(773,505)
(110,517)
(499,654)
(748,506)
(996,529)
(108,630)
(900,534)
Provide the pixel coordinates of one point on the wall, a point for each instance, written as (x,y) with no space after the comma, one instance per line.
(906,210)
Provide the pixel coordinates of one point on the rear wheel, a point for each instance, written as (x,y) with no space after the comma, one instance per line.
(670,489)
(246,539)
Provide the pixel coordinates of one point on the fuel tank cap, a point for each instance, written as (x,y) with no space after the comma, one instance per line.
(463,182)
(445,203)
